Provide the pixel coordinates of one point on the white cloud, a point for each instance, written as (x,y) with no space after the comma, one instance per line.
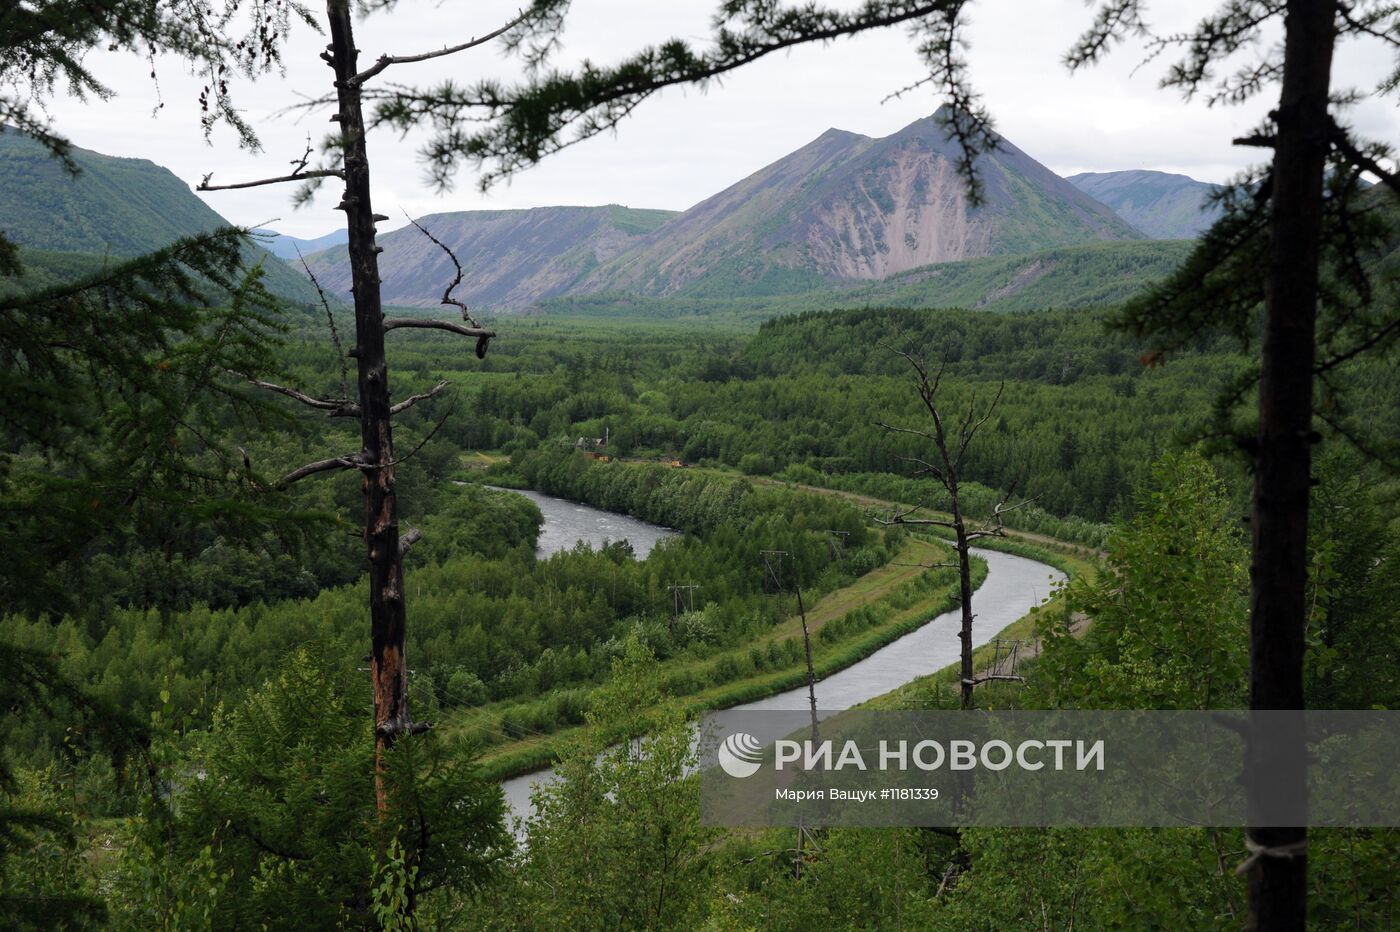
(686,145)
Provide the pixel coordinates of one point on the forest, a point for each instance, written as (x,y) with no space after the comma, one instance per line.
(206,642)
(278,638)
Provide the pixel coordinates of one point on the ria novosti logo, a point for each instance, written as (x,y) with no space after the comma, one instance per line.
(740,755)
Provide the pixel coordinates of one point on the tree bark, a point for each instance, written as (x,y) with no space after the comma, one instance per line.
(964,589)
(386,591)
(1282,468)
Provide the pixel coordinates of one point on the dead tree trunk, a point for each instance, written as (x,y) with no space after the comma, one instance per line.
(1282,463)
(964,592)
(373,406)
(386,590)
(950,453)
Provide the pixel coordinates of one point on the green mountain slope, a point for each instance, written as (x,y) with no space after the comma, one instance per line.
(1089,275)
(1162,205)
(114,206)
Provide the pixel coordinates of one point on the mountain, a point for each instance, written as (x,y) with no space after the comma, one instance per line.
(286,247)
(1160,204)
(116,206)
(848,207)
(511,258)
(1088,275)
(842,209)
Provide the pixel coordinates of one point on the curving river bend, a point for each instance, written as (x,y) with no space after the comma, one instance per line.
(1014,585)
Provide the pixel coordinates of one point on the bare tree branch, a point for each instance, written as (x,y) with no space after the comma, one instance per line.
(456,280)
(414,399)
(988,677)
(902,517)
(409,539)
(349,461)
(968,432)
(299,173)
(483,336)
(336,407)
(384,61)
(998,529)
(1256,140)
(421,323)
(330,322)
(904,430)
(204,185)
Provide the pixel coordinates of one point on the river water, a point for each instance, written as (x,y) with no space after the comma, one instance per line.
(566,523)
(1014,585)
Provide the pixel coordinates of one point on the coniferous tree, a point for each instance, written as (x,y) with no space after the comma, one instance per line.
(123,401)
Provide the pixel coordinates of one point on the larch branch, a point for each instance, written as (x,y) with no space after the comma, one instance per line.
(384,61)
(1344,145)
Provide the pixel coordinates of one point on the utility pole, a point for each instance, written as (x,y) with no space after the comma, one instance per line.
(773,566)
(677,599)
(837,539)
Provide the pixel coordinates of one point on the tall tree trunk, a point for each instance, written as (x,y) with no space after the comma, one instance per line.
(1282,473)
(386,590)
(964,589)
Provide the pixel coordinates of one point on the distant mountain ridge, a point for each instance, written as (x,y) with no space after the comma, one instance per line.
(287,247)
(845,218)
(844,208)
(118,206)
(1160,204)
(511,258)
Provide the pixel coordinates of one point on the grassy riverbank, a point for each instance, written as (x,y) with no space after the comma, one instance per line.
(846,626)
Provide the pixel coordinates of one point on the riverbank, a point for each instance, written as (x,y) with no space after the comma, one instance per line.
(903,598)
(885,591)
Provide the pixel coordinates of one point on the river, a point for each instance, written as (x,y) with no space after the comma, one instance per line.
(566,523)
(1014,585)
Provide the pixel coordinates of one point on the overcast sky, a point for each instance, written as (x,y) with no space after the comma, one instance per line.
(683,145)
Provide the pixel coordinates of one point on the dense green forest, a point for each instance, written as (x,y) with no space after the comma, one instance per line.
(278,640)
(210,642)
